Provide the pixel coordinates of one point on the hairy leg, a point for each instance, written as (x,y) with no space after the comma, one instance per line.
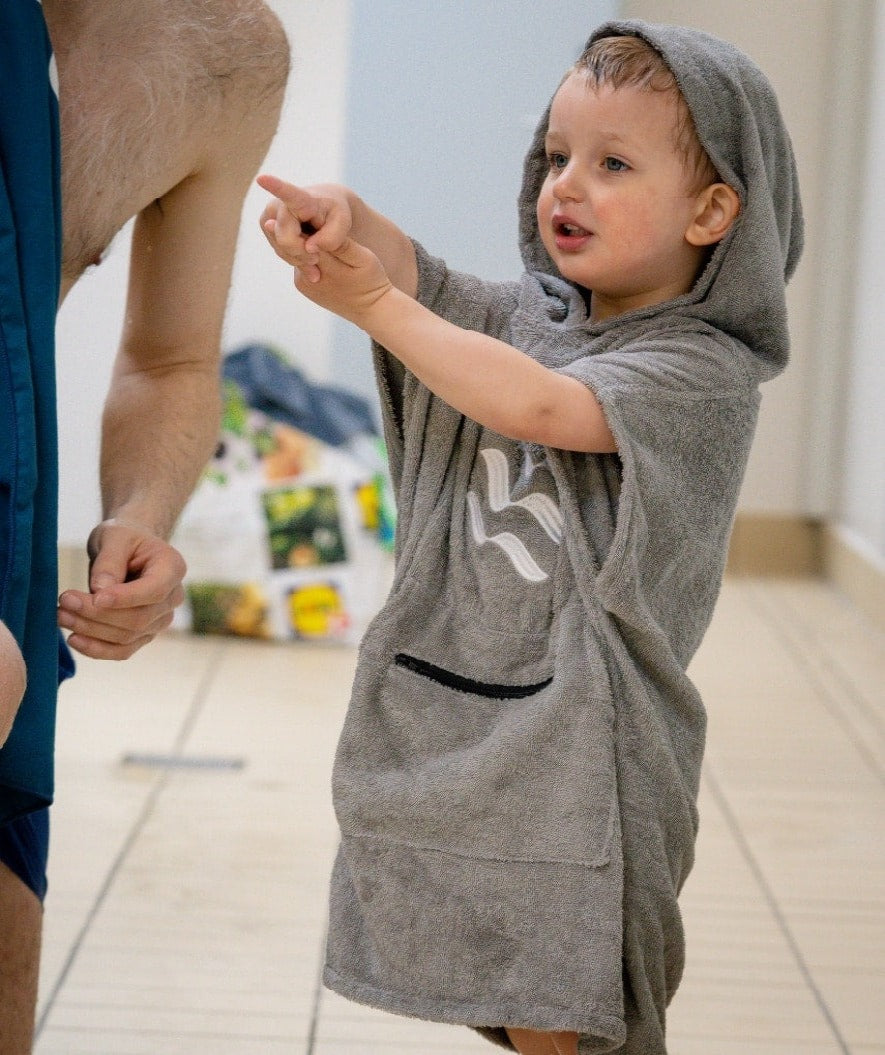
(532,1042)
(21,923)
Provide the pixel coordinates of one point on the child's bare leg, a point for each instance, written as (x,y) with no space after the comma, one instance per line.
(532,1042)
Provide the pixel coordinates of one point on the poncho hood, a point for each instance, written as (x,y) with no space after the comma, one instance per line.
(738,121)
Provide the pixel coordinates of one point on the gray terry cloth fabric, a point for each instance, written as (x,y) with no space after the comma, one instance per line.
(517,776)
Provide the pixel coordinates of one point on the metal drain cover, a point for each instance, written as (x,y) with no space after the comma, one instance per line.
(198,762)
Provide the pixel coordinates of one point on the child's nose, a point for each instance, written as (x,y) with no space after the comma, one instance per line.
(566,187)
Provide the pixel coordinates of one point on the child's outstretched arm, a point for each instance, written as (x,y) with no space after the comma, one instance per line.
(482,377)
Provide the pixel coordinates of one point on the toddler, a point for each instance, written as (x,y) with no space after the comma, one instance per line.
(517,776)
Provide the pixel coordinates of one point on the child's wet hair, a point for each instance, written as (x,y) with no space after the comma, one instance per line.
(627,61)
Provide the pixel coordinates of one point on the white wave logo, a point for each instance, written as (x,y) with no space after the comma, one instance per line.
(540,506)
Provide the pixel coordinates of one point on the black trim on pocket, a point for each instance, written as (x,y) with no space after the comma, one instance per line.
(462,684)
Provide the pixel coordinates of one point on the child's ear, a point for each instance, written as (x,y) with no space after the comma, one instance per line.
(718,207)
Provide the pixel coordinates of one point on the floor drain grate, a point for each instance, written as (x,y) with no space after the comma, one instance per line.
(197,762)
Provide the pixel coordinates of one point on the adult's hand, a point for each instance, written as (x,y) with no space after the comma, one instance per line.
(134,587)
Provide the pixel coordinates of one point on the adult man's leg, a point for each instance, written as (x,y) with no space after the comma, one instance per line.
(24,847)
(21,922)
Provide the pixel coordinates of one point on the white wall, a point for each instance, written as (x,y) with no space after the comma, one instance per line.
(262,305)
(436,138)
(861,499)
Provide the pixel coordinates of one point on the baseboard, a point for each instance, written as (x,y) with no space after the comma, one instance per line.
(857,574)
(776,545)
(760,545)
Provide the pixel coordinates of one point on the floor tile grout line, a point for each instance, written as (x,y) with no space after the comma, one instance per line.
(807,635)
(135,831)
(317,1001)
(193,713)
(768,893)
(99,900)
(871,626)
(826,697)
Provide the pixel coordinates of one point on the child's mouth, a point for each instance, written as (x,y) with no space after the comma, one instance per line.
(569,235)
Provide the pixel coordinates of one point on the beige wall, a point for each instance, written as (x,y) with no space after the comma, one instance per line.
(797,43)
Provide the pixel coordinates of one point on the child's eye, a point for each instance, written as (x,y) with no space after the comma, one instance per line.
(556,160)
(615,165)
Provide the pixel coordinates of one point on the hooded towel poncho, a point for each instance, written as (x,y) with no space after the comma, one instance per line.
(517,775)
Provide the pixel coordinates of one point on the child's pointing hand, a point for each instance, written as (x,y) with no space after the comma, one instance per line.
(303,222)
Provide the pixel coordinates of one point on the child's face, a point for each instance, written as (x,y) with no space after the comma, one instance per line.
(617,201)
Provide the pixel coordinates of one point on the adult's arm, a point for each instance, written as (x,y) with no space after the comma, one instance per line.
(160,421)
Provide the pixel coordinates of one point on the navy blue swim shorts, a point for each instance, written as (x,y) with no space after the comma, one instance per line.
(30,253)
(24,848)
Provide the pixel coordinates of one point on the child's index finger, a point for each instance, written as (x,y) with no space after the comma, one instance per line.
(279,188)
(294,198)
(298,202)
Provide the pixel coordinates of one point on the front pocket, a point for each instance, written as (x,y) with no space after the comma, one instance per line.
(514,772)
(459,683)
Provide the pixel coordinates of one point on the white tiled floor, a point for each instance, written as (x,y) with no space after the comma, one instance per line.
(186,905)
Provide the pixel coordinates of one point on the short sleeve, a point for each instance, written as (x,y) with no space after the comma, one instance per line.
(683,414)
